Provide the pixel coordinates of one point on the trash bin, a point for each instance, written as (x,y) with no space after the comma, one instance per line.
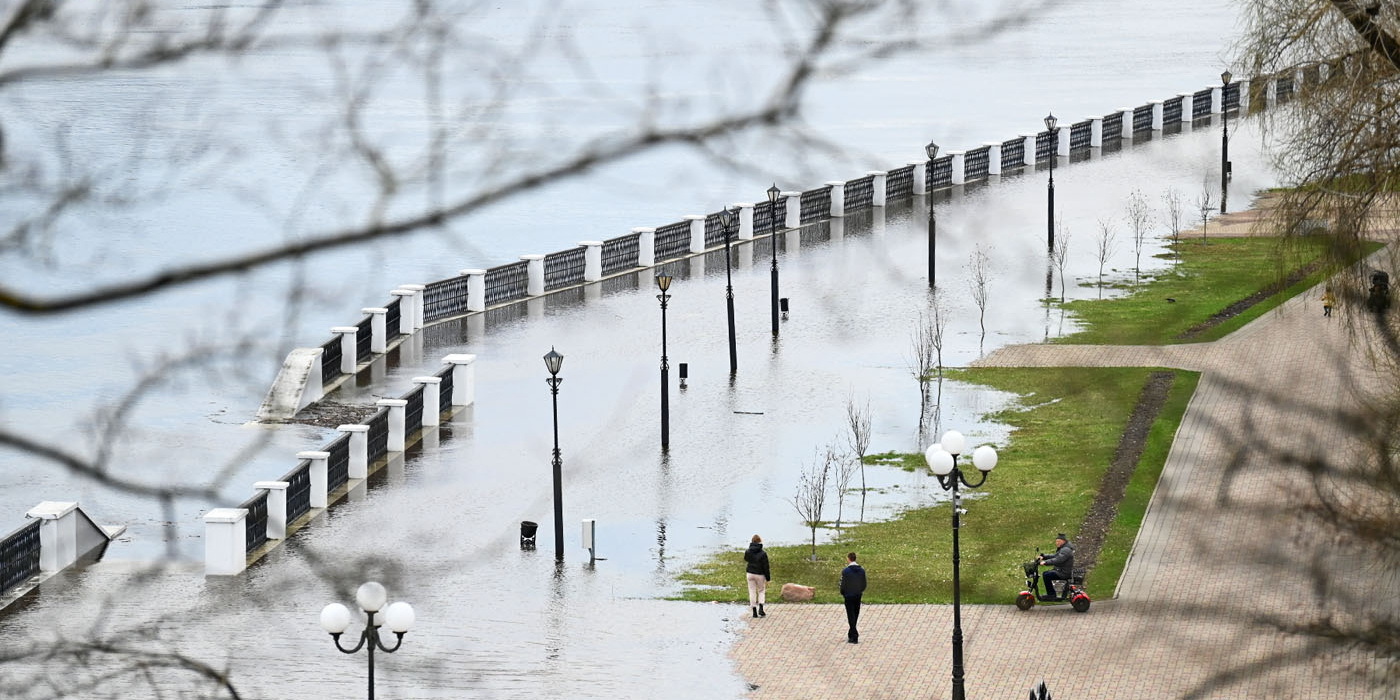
(1378,300)
(527,534)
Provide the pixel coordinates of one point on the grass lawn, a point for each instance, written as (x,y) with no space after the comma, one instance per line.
(1064,432)
(1210,276)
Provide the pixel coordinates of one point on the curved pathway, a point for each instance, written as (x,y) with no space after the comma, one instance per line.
(1221,550)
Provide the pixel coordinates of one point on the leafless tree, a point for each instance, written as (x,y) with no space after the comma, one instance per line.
(1139,216)
(846,466)
(858,431)
(926,361)
(1205,204)
(1105,246)
(1172,203)
(1060,255)
(810,498)
(978,277)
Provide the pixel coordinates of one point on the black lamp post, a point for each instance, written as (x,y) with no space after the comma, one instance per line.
(1050,122)
(943,461)
(1224,140)
(726,221)
(371,598)
(663,282)
(932,151)
(773,193)
(553,362)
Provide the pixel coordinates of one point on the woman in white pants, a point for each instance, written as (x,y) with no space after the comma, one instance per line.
(756,566)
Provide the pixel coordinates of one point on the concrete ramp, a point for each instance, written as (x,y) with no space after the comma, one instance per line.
(297,386)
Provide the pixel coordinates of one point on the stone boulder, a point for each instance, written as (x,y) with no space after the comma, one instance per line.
(797,593)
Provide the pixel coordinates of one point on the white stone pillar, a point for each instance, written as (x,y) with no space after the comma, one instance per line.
(405,297)
(745,220)
(592,260)
(959,167)
(432,393)
(58,534)
(476,289)
(463,378)
(920,176)
(792,205)
(348,348)
(535,267)
(1125,117)
(276,508)
(838,197)
(225,541)
(397,408)
(420,293)
(1062,140)
(1156,114)
(1028,149)
(358,467)
(378,340)
(1244,95)
(1188,106)
(320,476)
(993,157)
(697,232)
(1300,76)
(1217,100)
(1095,132)
(646,245)
(878,181)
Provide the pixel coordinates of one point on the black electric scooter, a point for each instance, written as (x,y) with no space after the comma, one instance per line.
(1076,596)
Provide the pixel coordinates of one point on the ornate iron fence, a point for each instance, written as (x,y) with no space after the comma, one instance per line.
(364,337)
(1045,145)
(1113,126)
(507,282)
(673,241)
(1080,136)
(764,216)
(338,464)
(1230,99)
(620,253)
(442,299)
(816,204)
(392,319)
(413,411)
(298,490)
(19,556)
(564,268)
(1142,118)
(1013,154)
(714,232)
(1171,110)
(1283,87)
(939,173)
(1200,103)
(976,164)
(859,194)
(256,522)
(330,360)
(378,435)
(899,183)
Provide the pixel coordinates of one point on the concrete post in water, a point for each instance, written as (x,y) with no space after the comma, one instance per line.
(58,534)
(838,197)
(993,157)
(1028,149)
(225,541)
(1095,132)
(1062,140)
(697,232)
(1217,100)
(397,409)
(592,260)
(792,205)
(378,340)
(359,450)
(320,477)
(878,181)
(432,411)
(1244,95)
(1188,106)
(920,175)
(420,293)
(1125,115)
(534,265)
(476,289)
(348,348)
(405,298)
(1156,114)
(745,220)
(276,508)
(646,245)
(959,167)
(463,378)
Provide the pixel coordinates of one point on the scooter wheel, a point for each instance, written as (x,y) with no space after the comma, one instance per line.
(1025,601)
(1080,603)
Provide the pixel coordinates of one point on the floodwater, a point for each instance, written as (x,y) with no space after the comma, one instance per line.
(440,528)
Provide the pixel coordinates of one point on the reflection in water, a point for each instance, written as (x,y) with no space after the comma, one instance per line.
(555,634)
(664,485)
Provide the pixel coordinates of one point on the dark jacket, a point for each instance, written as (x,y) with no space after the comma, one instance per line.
(1062,559)
(757,561)
(852,580)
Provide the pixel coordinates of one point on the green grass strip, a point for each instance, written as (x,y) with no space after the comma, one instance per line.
(1065,428)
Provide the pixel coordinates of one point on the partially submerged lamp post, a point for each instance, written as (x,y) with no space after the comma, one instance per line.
(371,598)
(663,282)
(1050,123)
(726,221)
(943,461)
(932,151)
(773,193)
(553,362)
(1224,139)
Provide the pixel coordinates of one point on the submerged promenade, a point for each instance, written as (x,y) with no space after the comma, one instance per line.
(1220,564)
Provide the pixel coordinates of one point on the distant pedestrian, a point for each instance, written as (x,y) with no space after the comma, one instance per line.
(758,575)
(852,586)
(1328,301)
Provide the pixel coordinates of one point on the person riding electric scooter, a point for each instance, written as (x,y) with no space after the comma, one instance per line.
(1063,561)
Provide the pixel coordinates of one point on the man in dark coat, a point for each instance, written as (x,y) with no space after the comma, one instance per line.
(1063,561)
(852,586)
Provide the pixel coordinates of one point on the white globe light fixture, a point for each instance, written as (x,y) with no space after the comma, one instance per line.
(370,596)
(984,458)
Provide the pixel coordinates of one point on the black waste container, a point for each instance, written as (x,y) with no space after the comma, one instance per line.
(527,534)
(1378,300)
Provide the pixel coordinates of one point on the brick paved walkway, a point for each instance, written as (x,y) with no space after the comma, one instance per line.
(1219,549)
